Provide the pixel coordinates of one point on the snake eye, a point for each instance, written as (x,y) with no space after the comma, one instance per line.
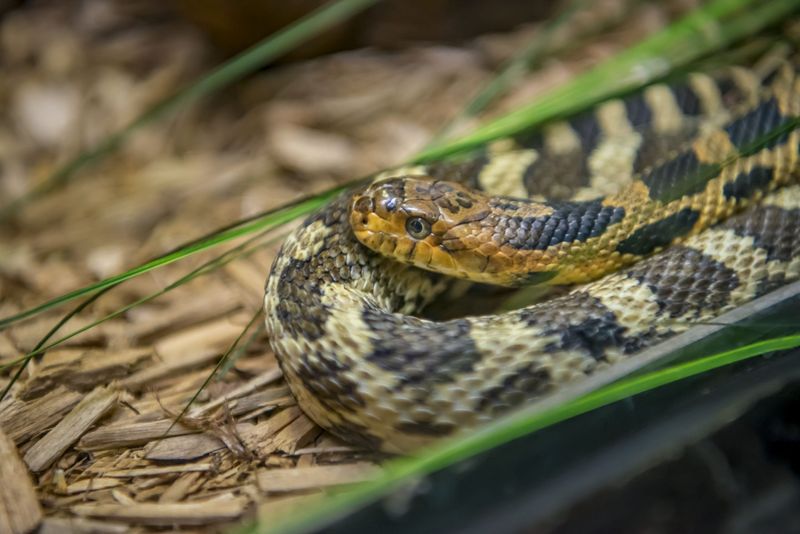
(418,228)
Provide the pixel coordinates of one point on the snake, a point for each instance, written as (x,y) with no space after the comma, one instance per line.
(656,211)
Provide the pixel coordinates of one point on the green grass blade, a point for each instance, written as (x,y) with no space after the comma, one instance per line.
(697,34)
(229,72)
(511,427)
(267,221)
(206,268)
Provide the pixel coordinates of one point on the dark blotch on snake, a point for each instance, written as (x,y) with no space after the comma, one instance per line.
(751,132)
(637,110)
(686,281)
(580,322)
(659,234)
(747,183)
(423,353)
(687,99)
(526,383)
(425,428)
(678,177)
(773,229)
(569,222)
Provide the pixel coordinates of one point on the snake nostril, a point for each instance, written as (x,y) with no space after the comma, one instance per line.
(363,205)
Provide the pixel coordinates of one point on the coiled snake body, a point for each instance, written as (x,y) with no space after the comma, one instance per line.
(678,184)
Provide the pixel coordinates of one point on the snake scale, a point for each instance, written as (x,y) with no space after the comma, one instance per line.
(670,206)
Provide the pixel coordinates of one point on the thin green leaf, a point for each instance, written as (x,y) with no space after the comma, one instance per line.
(206,268)
(266,221)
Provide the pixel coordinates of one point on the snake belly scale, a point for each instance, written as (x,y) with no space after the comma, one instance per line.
(675,185)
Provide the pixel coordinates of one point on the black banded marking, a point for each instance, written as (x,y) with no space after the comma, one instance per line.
(421,353)
(660,233)
(684,280)
(751,132)
(588,130)
(773,229)
(680,176)
(584,324)
(425,428)
(525,383)
(687,100)
(732,91)
(655,144)
(747,183)
(638,110)
(570,222)
(556,175)
(326,378)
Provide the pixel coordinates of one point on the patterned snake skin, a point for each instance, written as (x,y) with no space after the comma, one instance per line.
(690,185)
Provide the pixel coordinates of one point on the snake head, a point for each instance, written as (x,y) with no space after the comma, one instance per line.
(416,220)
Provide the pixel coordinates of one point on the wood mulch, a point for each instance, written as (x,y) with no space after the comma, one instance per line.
(88,434)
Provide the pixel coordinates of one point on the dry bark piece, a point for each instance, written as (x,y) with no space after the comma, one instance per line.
(22,420)
(92,484)
(83,369)
(159,470)
(19,507)
(45,451)
(296,434)
(317,476)
(130,434)
(266,377)
(256,438)
(179,489)
(183,448)
(80,525)
(193,513)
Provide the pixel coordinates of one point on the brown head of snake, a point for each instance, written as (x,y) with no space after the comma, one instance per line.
(436,225)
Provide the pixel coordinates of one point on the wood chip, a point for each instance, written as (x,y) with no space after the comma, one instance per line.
(82,369)
(266,377)
(256,438)
(179,489)
(92,484)
(45,451)
(296,434)
(22,420)
(19,507)
(194,513)
(251,280)
(153,471)
(317,476)
(80,525)
(208,303)
(183,448)
(129,434)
